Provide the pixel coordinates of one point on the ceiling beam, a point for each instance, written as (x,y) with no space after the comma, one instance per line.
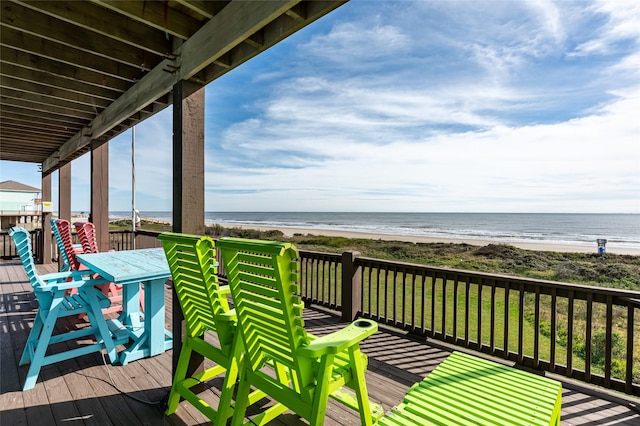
(59,69)
(207,8)
(106,22)
(53,103)
(34,45)
(40,82)
(156,14)
(229,28)
(48,116)
(28,21)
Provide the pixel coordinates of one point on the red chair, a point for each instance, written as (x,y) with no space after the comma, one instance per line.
(112,291)
(87,234)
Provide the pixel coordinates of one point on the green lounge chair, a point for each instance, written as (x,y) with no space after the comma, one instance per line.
(262,277)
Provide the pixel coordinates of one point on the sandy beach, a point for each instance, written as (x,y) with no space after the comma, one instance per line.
(546,246)
(542,246)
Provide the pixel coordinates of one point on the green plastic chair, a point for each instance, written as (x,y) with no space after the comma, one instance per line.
(54,303)
(262,277)
(192,261)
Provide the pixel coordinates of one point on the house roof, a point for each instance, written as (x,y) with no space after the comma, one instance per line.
(12,185)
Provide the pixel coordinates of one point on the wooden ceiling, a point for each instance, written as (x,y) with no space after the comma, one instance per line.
(73,73)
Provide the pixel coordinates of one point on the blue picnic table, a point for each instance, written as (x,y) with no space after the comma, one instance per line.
(146,332)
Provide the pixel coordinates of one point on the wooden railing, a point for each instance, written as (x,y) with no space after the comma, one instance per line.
(591,334)
(118,240)
(8,249)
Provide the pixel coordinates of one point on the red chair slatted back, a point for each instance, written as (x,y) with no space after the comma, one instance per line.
(65,234)
(87,235)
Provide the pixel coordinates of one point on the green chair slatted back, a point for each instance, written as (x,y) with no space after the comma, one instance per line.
(54,303)
(205,308)
(192,261)
(262,278)
(273,326)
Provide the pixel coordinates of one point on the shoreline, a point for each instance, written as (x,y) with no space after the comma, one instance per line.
(539,246)
(533,245)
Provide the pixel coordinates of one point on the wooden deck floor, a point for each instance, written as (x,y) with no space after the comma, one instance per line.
(88,391)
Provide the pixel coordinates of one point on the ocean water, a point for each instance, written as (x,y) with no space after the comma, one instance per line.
(620,230)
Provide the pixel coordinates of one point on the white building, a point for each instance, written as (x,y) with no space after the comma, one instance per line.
(20,204)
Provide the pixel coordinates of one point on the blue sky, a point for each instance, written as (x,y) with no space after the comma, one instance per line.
(427,106)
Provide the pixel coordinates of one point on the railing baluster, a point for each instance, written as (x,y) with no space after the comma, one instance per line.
(395,296)
(455,309)
(587,338)
(404,298)
(536,329)
(467,304)
(422,303)
(506,320)
(521,325)
(492,328)
(386,289)
(554,312)
(608,343)
(479,323)
(378,316)
(444,307)
(413,301)
(433,304)
(570,334)
(369,290)
(628,384)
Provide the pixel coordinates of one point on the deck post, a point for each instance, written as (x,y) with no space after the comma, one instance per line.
(44,254)
(64,192)
(351,286)
(188,187)
(64,197)
(100,193)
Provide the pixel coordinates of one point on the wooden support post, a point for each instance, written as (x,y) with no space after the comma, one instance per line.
(44,254)
(64,192)
(64,197)
(188,186)
(100,193)
(351,286)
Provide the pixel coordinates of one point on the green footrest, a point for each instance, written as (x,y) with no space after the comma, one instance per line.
(466,390)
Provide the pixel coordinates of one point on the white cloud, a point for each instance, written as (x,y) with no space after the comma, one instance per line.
(420,106)
(622,24)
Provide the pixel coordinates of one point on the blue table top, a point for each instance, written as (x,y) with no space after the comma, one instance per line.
(128,265)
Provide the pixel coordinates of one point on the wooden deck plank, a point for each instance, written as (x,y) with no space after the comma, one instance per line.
(80,391)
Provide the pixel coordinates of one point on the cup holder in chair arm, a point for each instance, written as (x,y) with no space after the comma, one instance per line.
(363,323)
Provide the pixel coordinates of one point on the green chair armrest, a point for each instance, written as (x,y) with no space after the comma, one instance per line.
(340,340)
